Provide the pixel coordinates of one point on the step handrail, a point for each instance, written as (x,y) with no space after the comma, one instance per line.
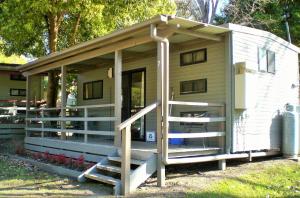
(137,116)
(125,129)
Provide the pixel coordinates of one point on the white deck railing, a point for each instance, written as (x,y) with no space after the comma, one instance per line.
(209,134)
(62,118)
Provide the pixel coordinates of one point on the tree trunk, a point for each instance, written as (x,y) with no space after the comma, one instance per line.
(53,23)
(52,89)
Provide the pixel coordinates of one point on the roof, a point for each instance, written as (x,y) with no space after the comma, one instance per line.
(261,33)
(9,67)
(112,37)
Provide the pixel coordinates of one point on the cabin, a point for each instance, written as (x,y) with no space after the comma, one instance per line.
(165,91)
(12,101)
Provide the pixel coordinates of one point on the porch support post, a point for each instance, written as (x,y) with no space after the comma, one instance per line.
(28,83)
(63,100)
(160,164)
(118,96)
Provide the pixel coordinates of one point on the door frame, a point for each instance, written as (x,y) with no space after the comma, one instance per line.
(142,69)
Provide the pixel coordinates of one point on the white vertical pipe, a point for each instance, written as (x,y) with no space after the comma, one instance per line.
(166,100)
(160,164)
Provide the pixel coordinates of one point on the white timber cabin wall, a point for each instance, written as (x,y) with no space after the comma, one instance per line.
(260,127)
(213,70)
(6,84)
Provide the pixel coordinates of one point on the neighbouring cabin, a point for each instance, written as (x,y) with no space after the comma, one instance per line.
(12,102)
(165,91)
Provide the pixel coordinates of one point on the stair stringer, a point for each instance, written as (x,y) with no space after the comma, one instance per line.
(143,172)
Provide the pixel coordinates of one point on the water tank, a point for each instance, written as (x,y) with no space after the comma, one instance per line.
(290,144)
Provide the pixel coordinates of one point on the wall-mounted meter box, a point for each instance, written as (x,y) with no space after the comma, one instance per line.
(245,86)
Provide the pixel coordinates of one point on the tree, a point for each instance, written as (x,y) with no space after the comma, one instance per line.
(265,14)
(37,28)
(199,10)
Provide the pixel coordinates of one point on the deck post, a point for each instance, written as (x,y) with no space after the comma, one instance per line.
(222,164)
(28,83)
(86,127)
(126,155)
(63,100)
(118,96)
(160,164)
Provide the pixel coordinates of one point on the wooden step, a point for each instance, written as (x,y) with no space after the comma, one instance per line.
(133,161)
(109,168)
(103,178)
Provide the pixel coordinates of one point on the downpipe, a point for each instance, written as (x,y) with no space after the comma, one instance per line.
(165,41)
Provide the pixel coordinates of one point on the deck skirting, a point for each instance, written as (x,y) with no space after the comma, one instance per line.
(91,152)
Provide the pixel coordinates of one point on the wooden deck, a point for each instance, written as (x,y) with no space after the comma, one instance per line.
(97,148)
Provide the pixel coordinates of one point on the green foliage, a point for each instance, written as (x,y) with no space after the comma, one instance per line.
(12,59)
(15,59)
(25,24)
(264,14)
(274,181)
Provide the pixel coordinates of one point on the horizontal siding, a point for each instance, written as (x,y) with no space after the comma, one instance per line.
(260,127)
(213,70)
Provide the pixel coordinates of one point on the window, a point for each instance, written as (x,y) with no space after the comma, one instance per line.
(17,76)
(193,114)
(266,60)
(93,90)
(17,92)
(193,86)
(193,57)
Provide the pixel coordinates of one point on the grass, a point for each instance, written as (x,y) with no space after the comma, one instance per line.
(281,180)
(16,179)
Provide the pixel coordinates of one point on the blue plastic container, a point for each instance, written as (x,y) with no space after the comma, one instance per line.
(176,141)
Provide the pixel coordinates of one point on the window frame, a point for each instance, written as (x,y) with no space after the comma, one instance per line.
(19,91)
(193,92)
(19,78)
(182,64)
(92,82)
(268,52)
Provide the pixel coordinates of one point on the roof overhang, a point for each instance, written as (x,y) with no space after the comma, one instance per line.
(9,67)
(261,33)
(105,43)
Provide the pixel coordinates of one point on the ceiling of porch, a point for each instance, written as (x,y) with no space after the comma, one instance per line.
(135,53)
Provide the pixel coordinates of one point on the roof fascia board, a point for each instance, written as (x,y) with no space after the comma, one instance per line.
(73,50)
(90,54)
